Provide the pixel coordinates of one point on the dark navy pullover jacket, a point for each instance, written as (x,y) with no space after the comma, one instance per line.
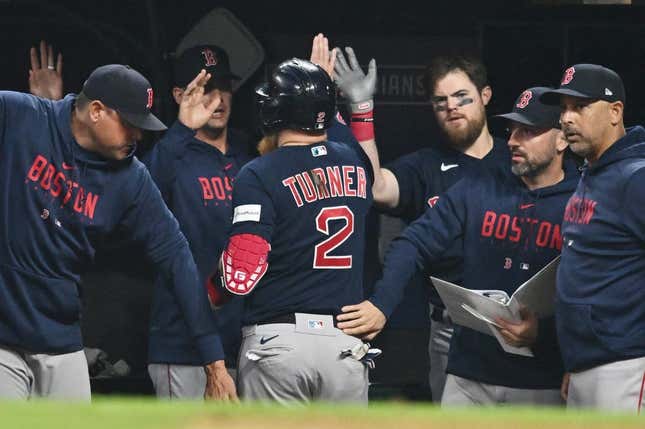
(196,181)
(58,204)
(600,310)
(509,233)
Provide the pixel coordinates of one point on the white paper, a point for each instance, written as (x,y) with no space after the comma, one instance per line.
(475,310)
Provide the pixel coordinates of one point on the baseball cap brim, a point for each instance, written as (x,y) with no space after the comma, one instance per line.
(144,121)
(516,117)
(525,120)
(553,97)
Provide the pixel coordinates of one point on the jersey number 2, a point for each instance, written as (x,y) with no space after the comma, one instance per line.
(321,251)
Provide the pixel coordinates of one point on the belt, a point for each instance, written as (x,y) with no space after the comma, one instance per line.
(288,318)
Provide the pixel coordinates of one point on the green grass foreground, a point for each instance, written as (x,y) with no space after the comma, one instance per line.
(125,413)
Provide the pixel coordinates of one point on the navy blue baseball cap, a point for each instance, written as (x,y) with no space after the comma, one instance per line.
(530,110)
(125,90)
(211,58)
(589,81)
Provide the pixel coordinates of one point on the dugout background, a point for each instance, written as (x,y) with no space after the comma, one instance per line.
(523,43)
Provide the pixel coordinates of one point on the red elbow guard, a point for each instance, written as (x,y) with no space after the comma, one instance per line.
(244,262)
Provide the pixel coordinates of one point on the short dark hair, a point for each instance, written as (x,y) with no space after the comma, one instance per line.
(471,65)
(81,101)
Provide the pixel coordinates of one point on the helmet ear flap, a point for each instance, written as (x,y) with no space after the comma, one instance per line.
(270,113)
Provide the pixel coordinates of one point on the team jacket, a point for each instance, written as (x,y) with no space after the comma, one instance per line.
(316,233)
(508,233)
(600,308)
(59,203)
(423,177)
(196,181)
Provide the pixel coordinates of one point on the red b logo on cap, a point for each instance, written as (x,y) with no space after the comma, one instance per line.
(568,76)
(209,58)
(151,97)
(524,99)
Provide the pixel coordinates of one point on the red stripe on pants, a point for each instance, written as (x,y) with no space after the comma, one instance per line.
(640,398)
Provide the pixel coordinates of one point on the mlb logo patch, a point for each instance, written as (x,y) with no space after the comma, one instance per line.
(524,266)
(318,151)
(315,324)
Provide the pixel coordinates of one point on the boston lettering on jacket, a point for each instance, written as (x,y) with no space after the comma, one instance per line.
(503,226)
(54,181)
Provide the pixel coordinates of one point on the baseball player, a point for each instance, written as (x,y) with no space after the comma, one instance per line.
(194,166)
(295,249)
(600,309)
(510,229)
(412,183)
(72,185)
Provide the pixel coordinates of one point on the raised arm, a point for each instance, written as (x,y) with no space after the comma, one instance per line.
(321,55)
(359,89)
(193,114)
(46,72)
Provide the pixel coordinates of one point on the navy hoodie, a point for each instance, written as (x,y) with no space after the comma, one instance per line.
(600,309)
(59,203)
(423,177)
(509,233)
(196,181)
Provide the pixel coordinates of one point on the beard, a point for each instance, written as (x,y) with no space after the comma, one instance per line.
(463,138)
(212,132)
(527,169)
(269,143)
(530,168)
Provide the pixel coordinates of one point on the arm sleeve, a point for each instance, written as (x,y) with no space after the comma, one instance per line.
(253,207)
(14,106)
(161,159)
(3,117)
(420,244)
(151,224)
(340,132)
(409,173)
(634,202)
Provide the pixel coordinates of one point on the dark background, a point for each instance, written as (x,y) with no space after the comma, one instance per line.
(523,43)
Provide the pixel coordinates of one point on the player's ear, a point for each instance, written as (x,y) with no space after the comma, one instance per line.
(486,94)
(95,110)
(177,93)
(616,112)
(561,143)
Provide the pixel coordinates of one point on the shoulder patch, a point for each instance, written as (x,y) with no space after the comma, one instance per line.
(247,213)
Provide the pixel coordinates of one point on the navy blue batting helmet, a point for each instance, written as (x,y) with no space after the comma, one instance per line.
(299,95)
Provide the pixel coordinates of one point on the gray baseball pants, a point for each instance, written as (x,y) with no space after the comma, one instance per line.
(173,381)
(462,392)
(616,386)
(438,348)
(300,362)
(25,375)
